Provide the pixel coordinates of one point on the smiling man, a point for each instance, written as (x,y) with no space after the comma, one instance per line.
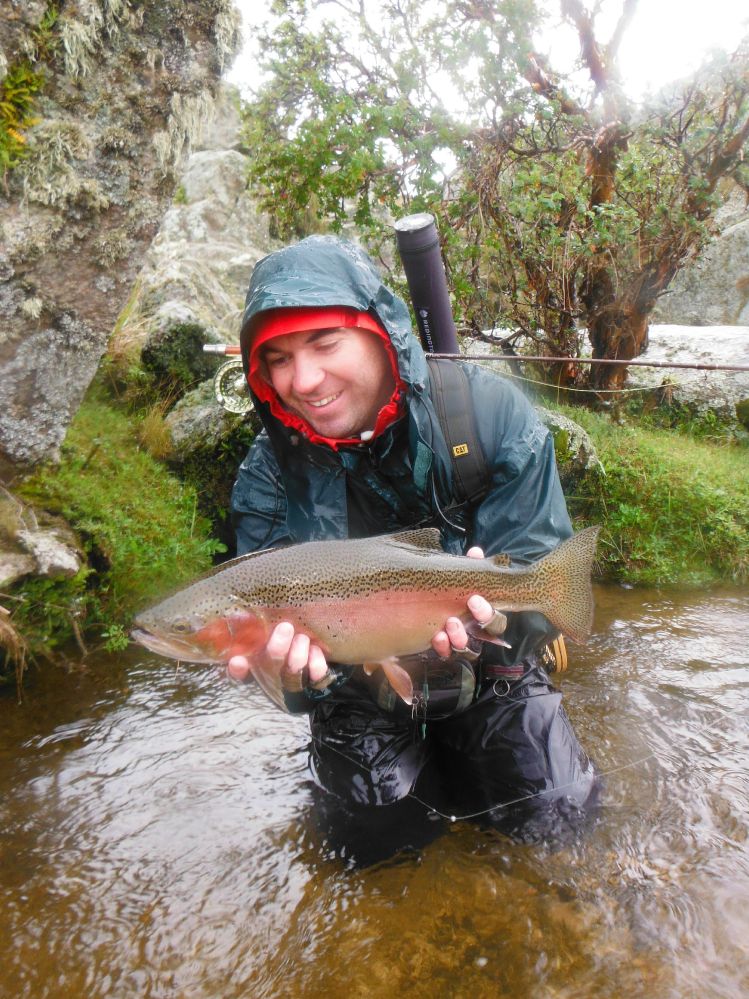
(352,447)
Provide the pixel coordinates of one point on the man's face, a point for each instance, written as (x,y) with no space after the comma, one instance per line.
(337,380)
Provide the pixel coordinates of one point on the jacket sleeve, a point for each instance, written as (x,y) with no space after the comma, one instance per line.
(524,514)
(258,500)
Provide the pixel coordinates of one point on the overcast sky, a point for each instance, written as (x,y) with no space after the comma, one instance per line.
(666,40)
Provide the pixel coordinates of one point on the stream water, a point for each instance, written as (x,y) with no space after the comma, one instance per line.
(158,838)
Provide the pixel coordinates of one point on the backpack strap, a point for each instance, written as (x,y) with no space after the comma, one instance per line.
(453,403)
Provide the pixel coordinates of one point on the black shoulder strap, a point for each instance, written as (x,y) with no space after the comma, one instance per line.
(451,395)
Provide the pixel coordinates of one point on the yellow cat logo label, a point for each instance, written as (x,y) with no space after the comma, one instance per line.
(460,449)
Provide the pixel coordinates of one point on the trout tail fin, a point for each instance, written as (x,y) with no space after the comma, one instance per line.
(564,577)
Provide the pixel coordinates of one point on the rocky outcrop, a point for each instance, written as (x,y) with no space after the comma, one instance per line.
(28,546)
(191,291)
(699,391)
(195,274)
(127,87)
(714,291)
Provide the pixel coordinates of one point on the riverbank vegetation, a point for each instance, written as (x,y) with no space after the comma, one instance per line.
(674,506)
(141,530)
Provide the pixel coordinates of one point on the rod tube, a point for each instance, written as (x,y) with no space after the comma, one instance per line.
(419,248)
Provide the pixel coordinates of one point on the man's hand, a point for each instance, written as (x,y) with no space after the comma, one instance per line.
(286,646)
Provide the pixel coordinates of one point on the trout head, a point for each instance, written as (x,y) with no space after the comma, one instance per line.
(199,639)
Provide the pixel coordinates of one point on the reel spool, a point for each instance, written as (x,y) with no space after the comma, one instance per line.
(231,388)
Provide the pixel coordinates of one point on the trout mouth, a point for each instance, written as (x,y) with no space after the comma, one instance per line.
(171,647)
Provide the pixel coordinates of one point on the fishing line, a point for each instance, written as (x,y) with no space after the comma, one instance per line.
(493,808)
(529,797)
(568,388)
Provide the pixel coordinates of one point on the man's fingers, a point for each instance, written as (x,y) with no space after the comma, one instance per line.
(454,638)
(494,622)
(441,644)
(456,632)
(280,640)
(481,609)
(298,656)
(238,668)
(318,664)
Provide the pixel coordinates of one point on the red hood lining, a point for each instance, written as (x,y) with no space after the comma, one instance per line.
(278,322)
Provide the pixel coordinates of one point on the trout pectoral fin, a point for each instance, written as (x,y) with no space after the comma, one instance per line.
(397,677)
(474,628)
(268,679)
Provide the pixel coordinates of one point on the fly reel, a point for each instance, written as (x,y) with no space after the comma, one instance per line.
(230,387)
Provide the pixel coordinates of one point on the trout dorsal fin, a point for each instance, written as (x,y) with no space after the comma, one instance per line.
(426,538)
(502,560)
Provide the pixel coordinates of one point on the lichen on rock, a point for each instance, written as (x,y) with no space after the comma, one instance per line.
(88,196)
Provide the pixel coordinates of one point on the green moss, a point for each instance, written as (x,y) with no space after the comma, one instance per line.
(674,510)
(18,91)
(742,413)
(211,468)
(140,526)
(176,360)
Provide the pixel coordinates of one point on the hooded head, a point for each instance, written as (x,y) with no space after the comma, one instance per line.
(325,283)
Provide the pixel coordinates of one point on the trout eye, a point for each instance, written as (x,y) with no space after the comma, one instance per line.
(182,627)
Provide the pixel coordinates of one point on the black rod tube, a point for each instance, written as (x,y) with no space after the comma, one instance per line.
(419,248)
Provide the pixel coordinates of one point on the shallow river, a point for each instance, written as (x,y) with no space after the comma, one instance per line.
(158,838)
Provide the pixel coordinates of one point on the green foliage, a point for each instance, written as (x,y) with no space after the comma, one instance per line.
(141,528)
(17,93)
(211,468)
(116,638)
(322,131)
(742,413)
(674,510)
(561,205)
(18,90)
(703,424)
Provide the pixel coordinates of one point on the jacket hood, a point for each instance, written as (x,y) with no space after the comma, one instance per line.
(325,272)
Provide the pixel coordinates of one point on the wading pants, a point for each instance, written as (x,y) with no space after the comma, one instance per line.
(511,756)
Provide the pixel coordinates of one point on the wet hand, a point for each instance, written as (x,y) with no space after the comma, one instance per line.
(454,637)
(292,650)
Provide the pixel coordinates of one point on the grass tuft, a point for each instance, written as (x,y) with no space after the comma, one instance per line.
(140,526)
(674,509)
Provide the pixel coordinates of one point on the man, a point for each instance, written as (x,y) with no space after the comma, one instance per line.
(352,447)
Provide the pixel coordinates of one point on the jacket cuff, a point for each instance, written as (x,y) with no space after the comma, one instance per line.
(300,696)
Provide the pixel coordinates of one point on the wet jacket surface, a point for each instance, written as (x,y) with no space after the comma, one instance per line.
(289,490)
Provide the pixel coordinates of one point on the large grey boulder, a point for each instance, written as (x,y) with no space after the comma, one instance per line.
(714,291)
(699,391)
(195,274)
(127,87)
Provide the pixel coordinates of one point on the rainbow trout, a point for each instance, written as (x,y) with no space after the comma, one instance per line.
(365,601)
